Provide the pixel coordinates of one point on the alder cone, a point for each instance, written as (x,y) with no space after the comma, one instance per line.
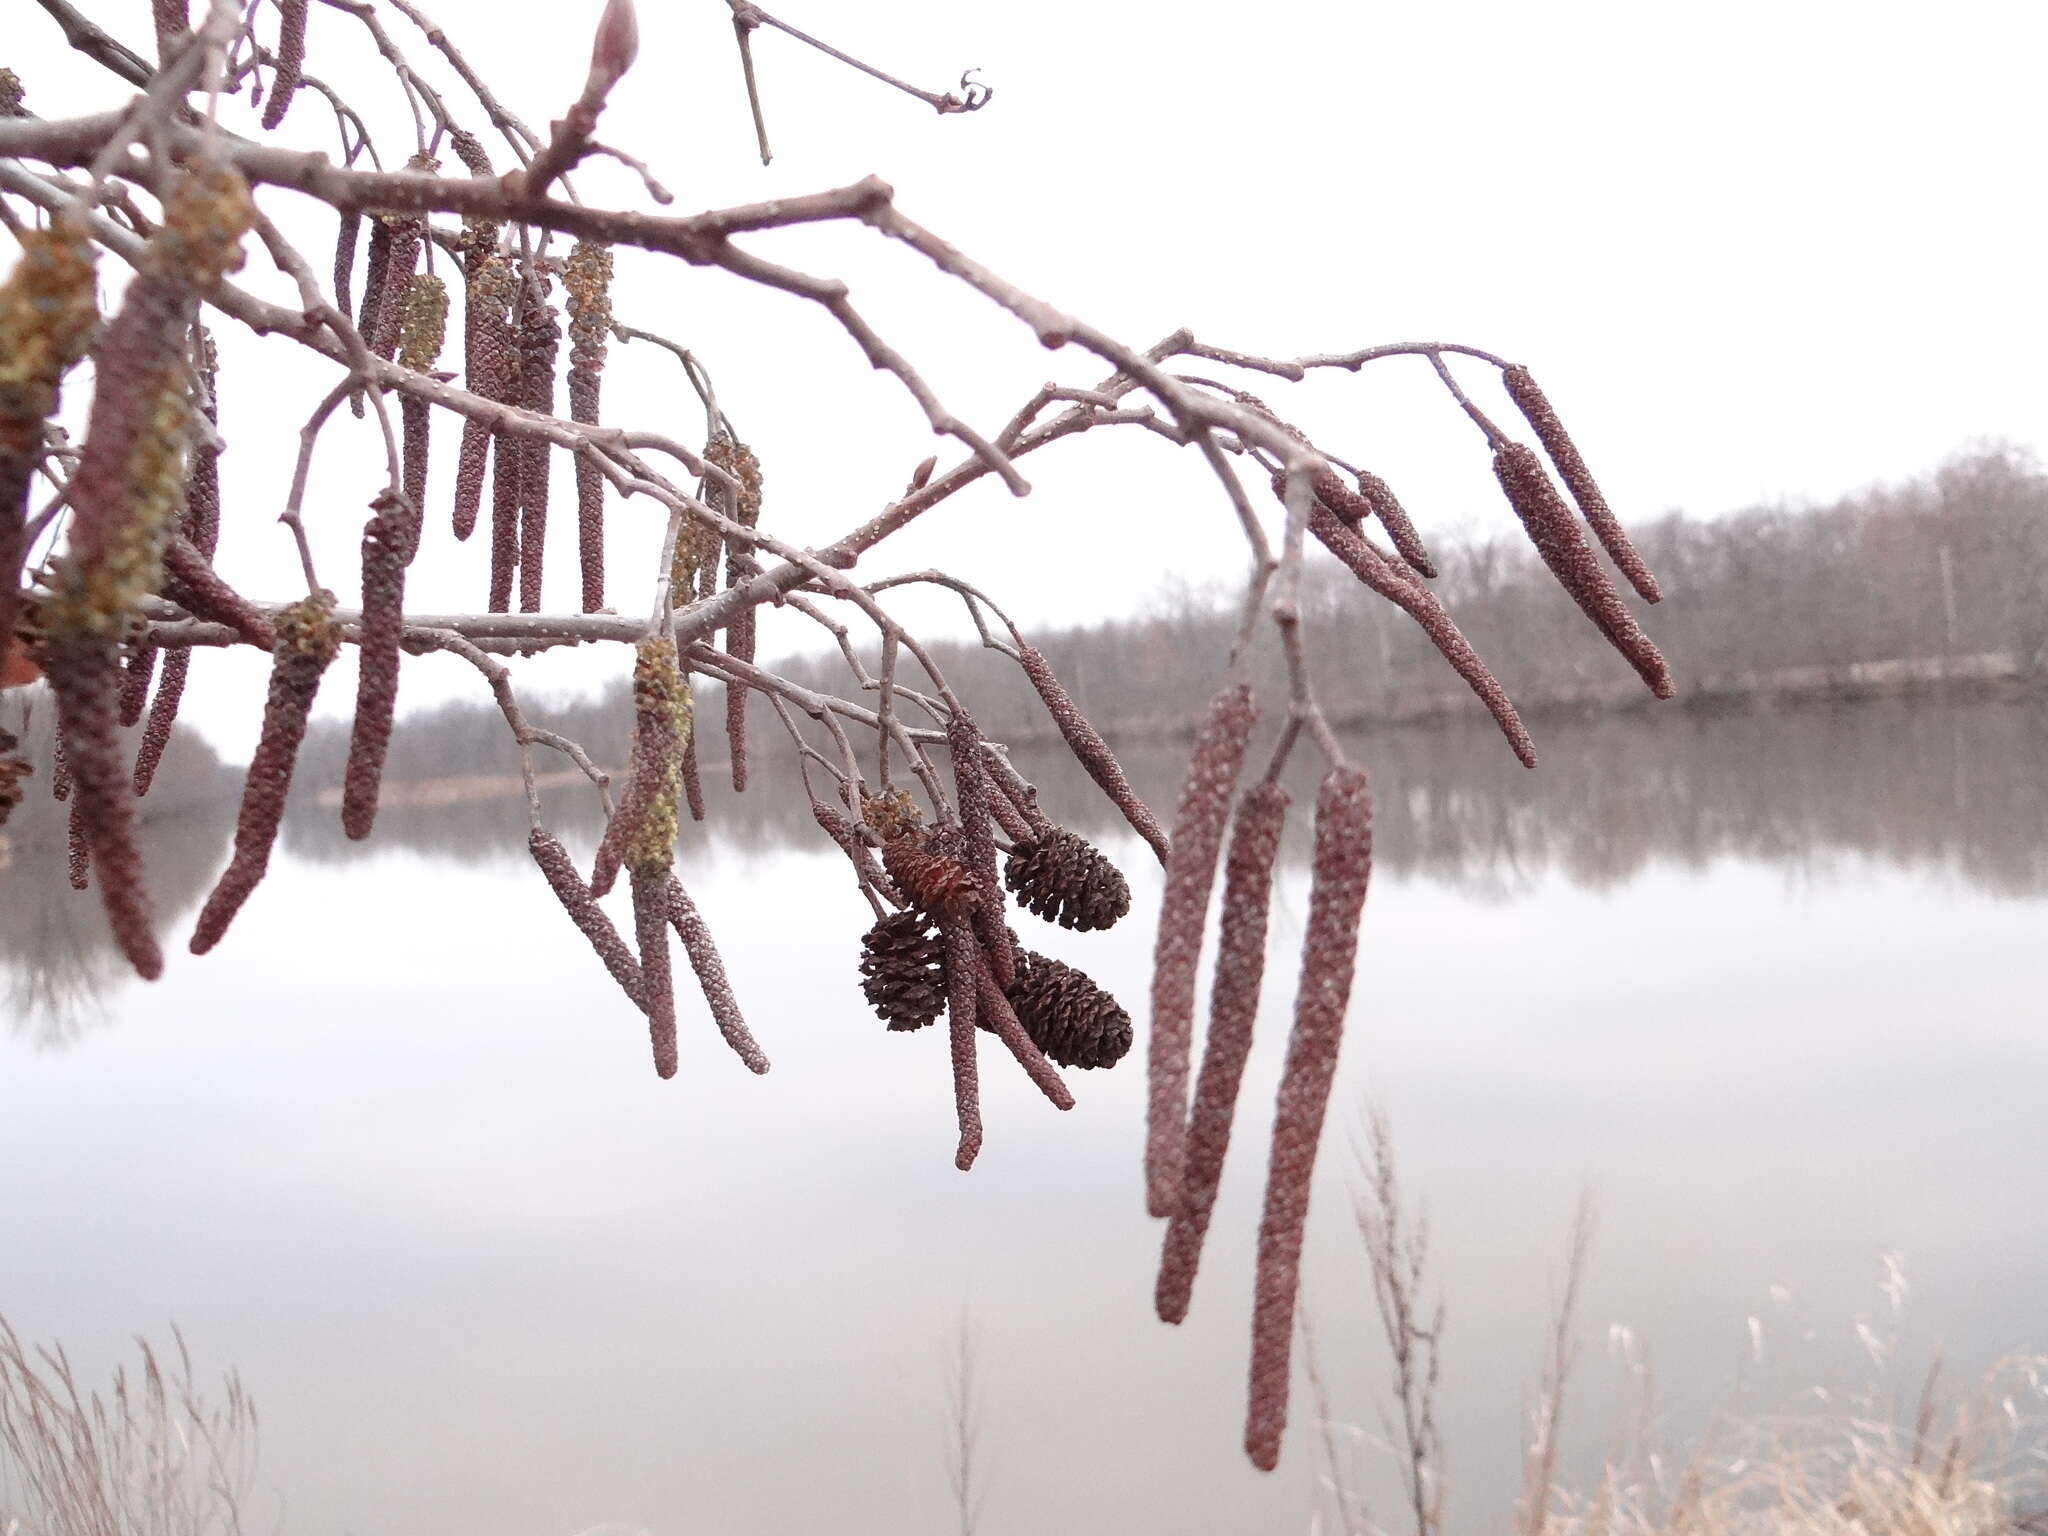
(903,973)
(1067,880)
(1067,1016)
(929,875)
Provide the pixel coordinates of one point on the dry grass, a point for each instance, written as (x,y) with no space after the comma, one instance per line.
(152,1456)
(1972,1462)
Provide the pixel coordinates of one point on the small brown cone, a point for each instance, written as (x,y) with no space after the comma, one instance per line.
(1067,1015)
(1341,869)
(1067,880)
(902,968)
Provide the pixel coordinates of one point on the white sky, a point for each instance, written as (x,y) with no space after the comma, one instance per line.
(1763,251)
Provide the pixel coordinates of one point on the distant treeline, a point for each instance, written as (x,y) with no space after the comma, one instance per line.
(1953,564)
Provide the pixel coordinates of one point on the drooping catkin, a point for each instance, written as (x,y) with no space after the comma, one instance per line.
(47,316)
(972,792)
(173,22)
(307,640)
(590,919)
(587,280)
(1233,1009)
(376,264)
(347,235)
(382,631)
(643,827)
(1386,506)
(657,973)
(11,94)
(963,955)
(539,339)
(406,233)
(78,852)
(1537,410)
(737,459)
(693,780)
(83,670)
(163,716)
(711,978)
(506,459)
(129,485)
(1190,871)
(137,668)
(420,336)
(488,357)
(1340,870)
(1091,751)
(1555,533)
(994,1014)
(1420,604)
(291,60)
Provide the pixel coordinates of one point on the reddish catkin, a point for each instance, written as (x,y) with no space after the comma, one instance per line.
(163,715)
(1555,533)
(963,958)
(347,235)
(78,863)
(291,60)
(376,263)
(83,670)
(711,978)
(1571,468)
(487,361)
(383,627)
(540,338)
(1091,751)
(1183,908)
(972,791)
(1386,506)
(136,671)
(1233,1009)
(587,280)
(407,233)
(506,453)
(307,640)
(994,1013)
(1420,604)
(589,918)
(1341,868)
(657,976)
(60,771)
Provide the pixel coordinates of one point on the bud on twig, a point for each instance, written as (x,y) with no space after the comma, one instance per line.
(307,640)
(614,49)
(1183,909)
(1341,869)
(1571,468)
(1233,1009)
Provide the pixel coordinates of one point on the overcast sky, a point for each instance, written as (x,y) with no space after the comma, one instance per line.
(1761,252)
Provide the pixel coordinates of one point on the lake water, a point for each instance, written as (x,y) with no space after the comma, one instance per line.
(1770,986)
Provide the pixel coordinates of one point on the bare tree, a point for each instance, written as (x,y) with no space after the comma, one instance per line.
(937,827)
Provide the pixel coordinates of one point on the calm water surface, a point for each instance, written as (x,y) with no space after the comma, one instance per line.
(1772,987)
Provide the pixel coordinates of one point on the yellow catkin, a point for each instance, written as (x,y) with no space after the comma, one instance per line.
(424,326)
(662,708)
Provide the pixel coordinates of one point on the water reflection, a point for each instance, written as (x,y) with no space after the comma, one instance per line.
(58,967)
(1951,790)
